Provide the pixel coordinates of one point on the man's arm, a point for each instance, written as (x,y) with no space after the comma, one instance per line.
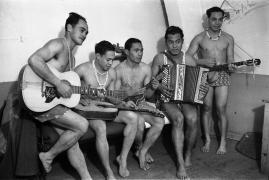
(192,50)
(230,50)
(149,90)
(38,60)
(230,54)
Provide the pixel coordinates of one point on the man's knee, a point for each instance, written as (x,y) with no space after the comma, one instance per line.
(178,121)
(130,118)
(207,108)
(191,119)
(83,125)
(221,110)
(100,129)
(141,124)
(159,122)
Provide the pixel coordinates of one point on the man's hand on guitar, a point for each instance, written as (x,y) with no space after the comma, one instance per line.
(64,89)
(154,83)
(129,104)
(232,67)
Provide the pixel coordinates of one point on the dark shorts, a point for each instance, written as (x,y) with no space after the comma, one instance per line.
(51,114)
(224,79)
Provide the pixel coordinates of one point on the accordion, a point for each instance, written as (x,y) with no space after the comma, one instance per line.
(188,83)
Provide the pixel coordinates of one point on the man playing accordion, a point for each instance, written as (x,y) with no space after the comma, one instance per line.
(177,113)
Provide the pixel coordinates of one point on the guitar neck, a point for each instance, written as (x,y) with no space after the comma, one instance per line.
(226,66)
(119,94)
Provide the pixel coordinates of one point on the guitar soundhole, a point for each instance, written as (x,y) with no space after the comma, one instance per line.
(50,93)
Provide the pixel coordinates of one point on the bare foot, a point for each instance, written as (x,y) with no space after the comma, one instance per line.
(149,158)
(46,162)
(188,161)
(123,171)
(110,177)
(182,174)
(222,149)
(142,160)
(206,147)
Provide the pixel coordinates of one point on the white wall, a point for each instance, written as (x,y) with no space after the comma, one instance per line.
(26,25)
(250,27)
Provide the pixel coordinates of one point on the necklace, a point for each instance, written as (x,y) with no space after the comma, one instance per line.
(97,73)
(128,82)
(214,39)
(70,60)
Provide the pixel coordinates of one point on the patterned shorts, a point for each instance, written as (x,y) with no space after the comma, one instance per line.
(51,114)
(224,79)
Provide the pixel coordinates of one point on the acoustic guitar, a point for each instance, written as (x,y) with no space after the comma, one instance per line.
(39,95)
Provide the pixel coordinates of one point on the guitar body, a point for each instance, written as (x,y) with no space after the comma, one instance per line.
(34,92)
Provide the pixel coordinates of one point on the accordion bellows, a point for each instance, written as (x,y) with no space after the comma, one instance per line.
(188,82)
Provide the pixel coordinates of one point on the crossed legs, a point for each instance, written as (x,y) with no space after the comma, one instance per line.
(70,127)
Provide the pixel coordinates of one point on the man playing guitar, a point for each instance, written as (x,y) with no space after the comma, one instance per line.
(99,74)
(134,74)
(57,53)
(214,47)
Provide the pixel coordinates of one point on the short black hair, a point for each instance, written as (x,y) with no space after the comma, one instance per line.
(128,44)
(103,46)
(173,30)
(214,9)
(73,19)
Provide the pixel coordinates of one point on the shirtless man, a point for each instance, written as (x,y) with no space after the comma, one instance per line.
(99,74)
(134,74)
(181,113)
(213,47)
(57,53)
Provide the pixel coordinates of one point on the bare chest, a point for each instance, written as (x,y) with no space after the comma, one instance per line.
(96,80)
(133,78)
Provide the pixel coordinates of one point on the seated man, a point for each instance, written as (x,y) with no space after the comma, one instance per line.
(57,54)
(176,113)
(98,74)
(134,74)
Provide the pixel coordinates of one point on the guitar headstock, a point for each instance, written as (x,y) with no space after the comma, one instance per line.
(252,62)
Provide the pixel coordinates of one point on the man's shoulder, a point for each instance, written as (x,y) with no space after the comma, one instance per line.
(228,36)
(144,65)
(56,44)
(112,71)
(200,36)
(158,58)
(58,41)
(83,66)
(119,66)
